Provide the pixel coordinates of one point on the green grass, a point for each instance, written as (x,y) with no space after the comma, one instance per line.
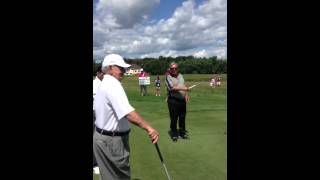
(203,156)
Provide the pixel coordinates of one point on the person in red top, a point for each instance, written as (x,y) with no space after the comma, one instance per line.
(218,80)
(143,88)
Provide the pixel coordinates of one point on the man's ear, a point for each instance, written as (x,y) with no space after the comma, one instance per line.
(109,67)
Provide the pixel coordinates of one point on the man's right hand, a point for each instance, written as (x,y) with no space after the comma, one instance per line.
(153,134)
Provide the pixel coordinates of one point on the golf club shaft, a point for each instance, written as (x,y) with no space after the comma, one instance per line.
(161,159)
(165,168)
(159,153)
(193,86)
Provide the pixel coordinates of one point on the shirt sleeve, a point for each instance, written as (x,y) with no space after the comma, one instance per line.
(181,79)
(94,87)
(169,82)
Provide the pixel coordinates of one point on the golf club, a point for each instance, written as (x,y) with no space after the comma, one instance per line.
(193,86)
(161,159)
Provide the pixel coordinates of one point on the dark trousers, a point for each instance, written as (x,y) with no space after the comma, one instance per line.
(143,90)
(177,112)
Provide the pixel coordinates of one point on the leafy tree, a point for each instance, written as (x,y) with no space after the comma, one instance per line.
(187,65)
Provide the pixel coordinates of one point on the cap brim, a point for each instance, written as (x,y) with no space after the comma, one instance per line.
(125,65)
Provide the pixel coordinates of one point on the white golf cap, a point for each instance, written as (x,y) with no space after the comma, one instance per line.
(114,59)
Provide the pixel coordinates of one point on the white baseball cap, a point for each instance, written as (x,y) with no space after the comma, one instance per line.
(114,59)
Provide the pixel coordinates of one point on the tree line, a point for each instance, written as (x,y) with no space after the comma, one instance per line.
(187,65)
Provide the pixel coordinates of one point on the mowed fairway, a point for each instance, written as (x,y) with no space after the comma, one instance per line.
(203,156)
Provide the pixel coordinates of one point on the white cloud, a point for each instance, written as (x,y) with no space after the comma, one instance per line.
(199,30)
(124,13)
(200,54)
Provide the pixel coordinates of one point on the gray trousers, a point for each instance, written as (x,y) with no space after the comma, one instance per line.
(112,154)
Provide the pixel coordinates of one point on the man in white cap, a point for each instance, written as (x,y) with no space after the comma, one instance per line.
(113,114)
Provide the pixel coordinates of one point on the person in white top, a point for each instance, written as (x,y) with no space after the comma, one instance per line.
(96,83)
(97,80)
(213,82)
(113,114)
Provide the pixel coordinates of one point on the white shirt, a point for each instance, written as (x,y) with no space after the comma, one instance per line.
(96,84)
(111,106)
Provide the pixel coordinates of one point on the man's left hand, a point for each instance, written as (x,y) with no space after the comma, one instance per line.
(187,98)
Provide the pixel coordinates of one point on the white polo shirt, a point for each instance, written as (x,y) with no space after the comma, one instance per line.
(96,84)
(111,106)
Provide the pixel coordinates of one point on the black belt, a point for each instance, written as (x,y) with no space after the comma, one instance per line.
(175,98)
(111,133)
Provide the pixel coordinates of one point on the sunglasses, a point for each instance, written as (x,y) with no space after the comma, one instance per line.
(121,68)
(173,68)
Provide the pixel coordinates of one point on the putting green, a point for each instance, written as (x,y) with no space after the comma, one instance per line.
(203,156)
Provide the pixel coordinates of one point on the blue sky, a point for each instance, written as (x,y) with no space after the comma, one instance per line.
(153,28)
(163,10)
(166,8)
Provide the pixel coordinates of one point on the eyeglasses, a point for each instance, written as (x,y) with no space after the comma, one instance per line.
(121,68)
(173,68)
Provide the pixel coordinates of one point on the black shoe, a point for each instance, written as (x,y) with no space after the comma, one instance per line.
(174,139)
(173,134)
(184,136)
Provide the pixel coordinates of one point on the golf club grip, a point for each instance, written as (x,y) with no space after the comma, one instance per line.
(157,147)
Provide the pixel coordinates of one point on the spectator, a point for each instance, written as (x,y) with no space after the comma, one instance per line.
(157,84)
(143,87)
(96,84)
(177,99)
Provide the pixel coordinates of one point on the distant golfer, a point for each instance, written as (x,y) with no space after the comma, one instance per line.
(177,99)
(113,114)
